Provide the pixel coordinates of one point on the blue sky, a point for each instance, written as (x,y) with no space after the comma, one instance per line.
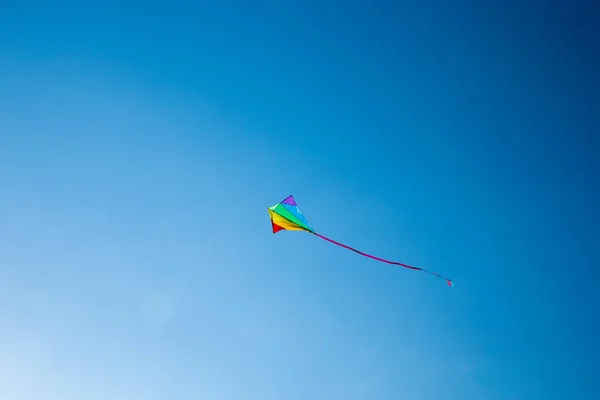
(140,144)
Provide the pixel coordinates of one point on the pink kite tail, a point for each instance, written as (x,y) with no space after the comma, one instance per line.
(448,281)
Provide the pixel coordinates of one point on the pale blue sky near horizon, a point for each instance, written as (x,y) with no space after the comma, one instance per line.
(141,142)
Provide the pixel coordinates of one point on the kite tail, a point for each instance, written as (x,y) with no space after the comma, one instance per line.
(448,281)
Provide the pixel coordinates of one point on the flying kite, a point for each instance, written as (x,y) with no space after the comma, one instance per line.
(287,216)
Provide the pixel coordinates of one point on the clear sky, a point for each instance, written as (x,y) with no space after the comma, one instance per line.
(140,144)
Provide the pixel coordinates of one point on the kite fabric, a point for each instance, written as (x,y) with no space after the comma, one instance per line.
(287,216)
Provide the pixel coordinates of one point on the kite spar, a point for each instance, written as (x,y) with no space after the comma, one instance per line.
(287,216)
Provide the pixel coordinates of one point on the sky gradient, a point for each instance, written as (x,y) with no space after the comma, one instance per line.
(141,143)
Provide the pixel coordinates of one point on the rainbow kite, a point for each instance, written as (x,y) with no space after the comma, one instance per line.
(287,216)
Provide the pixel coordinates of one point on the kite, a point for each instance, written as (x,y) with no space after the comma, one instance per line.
(287,216)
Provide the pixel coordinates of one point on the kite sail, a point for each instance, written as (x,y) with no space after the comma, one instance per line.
(287,216)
